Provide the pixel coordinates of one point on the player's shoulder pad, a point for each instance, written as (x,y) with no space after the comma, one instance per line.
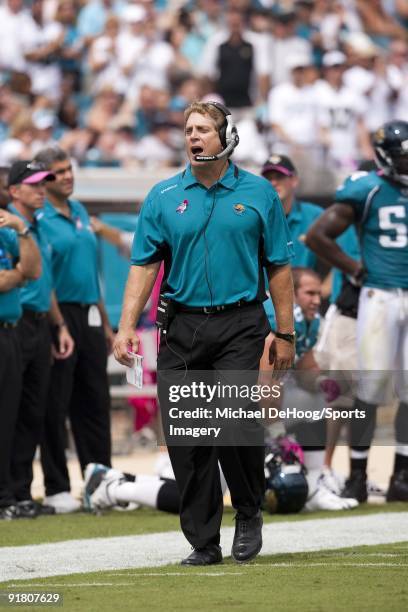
(357,186)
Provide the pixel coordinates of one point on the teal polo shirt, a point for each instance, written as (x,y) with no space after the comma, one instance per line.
(300,218)
(73,253)
(214,241)
(35,295)
(10,307)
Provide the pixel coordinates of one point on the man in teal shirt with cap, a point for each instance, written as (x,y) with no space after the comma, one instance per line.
(27,182)
(215,226)
(19,261)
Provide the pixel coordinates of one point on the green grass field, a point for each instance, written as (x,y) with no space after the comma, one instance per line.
(362,579)
(143,521)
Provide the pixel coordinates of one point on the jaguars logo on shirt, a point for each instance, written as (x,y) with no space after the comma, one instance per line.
(239,209)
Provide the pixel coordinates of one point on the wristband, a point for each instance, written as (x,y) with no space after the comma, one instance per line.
(290,337)
(25,233)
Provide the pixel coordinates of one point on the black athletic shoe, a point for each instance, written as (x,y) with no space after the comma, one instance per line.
(356,486)
(27,509)
(248,537)
(209,555)
(398,489)
(31,509)
(9,513)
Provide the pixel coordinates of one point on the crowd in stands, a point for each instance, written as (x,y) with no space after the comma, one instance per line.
(110,79)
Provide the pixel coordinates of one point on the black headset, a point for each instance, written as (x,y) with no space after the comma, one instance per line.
(228,136)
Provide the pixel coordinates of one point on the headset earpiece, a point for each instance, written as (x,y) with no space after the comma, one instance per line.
(228,134)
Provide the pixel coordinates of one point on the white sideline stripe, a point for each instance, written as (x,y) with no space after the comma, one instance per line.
(158,549)
(189,575)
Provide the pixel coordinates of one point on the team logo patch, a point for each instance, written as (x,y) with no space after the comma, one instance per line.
(275,160)
(182,207)
(239,209)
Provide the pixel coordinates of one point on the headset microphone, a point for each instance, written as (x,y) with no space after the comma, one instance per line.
(224,153)
(228,136)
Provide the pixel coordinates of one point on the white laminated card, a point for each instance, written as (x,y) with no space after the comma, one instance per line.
(134,373)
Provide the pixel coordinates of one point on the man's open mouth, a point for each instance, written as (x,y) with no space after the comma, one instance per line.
(197,150)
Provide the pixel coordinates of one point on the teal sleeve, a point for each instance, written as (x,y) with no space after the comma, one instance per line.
(277,242)
(148,241)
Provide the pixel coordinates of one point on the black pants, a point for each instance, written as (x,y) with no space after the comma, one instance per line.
(232,340)
(79,389)
(35,342)
(10,391)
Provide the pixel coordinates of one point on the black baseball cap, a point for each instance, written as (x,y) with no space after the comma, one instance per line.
(279,163)
(29,173)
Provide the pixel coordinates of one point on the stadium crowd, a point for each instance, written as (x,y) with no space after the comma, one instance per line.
(109,80)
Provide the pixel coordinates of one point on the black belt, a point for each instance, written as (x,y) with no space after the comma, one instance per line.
(32,315)
(76,304)
(212,309)
(348,312)
(7,325)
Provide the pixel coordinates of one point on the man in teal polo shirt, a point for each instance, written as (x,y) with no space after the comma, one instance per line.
(280,171)
(27,191)
(215,226)
(79,386)
(19,261)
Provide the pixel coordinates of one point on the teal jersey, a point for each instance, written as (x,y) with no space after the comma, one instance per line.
(73,253)
(214,241)
(300,218)
(36,294)
(381,211)
(10,307)
(306,331)
(348,242)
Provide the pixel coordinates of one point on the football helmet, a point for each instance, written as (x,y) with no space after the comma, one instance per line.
(286,485)
(390,144)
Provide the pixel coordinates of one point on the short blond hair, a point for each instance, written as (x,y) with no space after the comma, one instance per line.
(205,108)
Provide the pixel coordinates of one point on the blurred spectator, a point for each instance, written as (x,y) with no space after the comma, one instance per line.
(103,153)
(367,75)
(131,42)
(104,60)
(397,70)
(104,109)
(20,143)
(284,43)
(154,60)
(93,15)
(44,122)
(339,20)
(341,116)
(158,148)
(13,18)
(308,28)
(292,109)
(42,43)
(236,64)
(377,23)
(11,106)
(73,45)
